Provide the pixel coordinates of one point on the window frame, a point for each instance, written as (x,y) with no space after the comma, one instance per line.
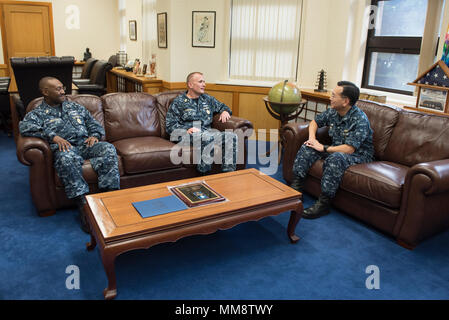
(387,44)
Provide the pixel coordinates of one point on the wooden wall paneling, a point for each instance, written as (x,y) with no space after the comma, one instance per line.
(225,97)
(252,107)
(4,71)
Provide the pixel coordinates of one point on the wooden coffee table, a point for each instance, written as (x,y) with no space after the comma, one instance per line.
(117,227)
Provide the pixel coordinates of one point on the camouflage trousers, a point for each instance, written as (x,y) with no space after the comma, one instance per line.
(334,167)
(103,158)
(204,143)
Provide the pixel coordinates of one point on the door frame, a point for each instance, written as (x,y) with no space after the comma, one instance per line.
(3,27)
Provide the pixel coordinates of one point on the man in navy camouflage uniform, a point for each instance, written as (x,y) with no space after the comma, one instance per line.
(352,143)
(73,135)
(192,113)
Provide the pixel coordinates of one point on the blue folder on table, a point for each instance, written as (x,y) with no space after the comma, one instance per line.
(154,207)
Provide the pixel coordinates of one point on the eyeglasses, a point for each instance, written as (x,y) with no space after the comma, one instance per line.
(60,88)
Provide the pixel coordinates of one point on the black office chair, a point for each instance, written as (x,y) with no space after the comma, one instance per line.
(97,82)
(85,73)
(28,71)
(113,60)
(5,111)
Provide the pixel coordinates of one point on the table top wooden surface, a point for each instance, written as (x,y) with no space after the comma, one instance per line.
(118,219)
(131,76)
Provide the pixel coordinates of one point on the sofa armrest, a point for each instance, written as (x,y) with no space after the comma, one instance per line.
(29,148)
(36,153)
(293,136)
(437,171)
(425,203)
(233,123)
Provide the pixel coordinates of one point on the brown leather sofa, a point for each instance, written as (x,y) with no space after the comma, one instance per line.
(405,191)
(135,125)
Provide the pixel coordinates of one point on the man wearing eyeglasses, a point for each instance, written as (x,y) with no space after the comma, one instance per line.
(73,135)
(352,143)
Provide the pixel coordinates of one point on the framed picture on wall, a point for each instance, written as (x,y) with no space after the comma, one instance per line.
(203,29)
(162,30)
(133,30)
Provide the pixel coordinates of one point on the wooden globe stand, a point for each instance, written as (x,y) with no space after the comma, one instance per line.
(285,115)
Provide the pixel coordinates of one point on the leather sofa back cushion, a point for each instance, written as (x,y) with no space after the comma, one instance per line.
(382,119)
(130,115)
(164,100)
(90,102)
(417,138)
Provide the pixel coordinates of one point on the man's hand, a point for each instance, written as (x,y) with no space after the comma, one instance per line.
(91,141)
(62,143)
(193,130)
(224,116)
(313,143)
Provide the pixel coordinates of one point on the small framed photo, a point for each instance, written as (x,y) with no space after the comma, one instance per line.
(162,30)
(203,29)
(433,99)
(133,30)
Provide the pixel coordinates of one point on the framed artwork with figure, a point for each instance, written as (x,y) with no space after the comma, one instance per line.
(203,29)
(162,30)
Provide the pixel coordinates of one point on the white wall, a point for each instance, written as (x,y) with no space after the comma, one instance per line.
(133,11)
(180,58)
(98,28)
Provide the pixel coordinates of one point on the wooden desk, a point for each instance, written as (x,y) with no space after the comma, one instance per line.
(117,227)
(119,80)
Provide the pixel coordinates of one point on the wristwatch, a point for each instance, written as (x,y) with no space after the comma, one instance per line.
(325,147)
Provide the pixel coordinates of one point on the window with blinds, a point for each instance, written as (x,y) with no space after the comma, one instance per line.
(264,39)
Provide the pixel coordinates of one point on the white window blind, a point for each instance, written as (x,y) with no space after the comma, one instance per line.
(264,39)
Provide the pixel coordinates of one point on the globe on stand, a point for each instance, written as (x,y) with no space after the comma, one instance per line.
(284,98)
(284,102)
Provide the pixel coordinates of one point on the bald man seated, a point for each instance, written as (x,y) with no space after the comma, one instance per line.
(74,136)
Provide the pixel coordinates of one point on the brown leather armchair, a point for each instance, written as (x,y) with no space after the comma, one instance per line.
(405,191)
(135,125)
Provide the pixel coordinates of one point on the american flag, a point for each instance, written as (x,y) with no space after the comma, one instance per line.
(435,77)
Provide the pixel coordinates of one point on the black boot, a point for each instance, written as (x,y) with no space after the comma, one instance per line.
(298,184)
(319,209)
(81,203)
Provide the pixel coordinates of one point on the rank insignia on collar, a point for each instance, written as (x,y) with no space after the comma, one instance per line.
(208,112)
(78,120)
(47,111)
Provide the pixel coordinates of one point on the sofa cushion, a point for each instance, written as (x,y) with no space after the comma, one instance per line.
(92,103)
(417,138)
(145,154)
(378,181)
(382,119)
(129,115)
(164,99)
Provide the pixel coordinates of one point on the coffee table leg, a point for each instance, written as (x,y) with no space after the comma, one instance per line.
(295,216)
(109,267)
(92,244)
